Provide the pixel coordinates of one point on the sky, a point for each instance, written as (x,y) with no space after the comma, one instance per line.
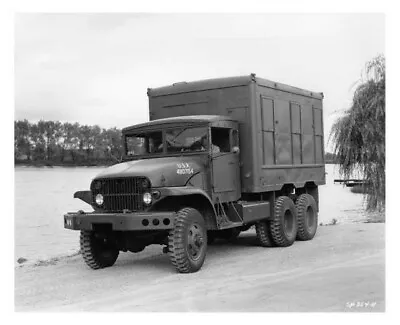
(96,68)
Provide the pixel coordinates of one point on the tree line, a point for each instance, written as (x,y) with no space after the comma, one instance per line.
(54,142)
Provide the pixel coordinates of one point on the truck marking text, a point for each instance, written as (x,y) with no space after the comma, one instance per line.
(184,169)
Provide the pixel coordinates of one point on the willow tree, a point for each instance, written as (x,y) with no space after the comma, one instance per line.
(359,135)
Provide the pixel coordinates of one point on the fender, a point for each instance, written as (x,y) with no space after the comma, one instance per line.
(184,190)
(85,196)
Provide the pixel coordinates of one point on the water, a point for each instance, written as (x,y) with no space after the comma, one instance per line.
(43,195)
(337,202)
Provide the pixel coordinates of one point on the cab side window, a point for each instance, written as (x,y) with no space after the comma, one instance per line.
(235,138)
(220,140)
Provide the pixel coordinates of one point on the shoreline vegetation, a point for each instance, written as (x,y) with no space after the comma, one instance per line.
(53,143)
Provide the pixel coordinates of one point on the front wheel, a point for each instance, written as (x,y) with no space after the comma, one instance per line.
(97,251)
(187,241)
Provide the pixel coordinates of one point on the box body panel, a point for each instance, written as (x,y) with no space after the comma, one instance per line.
(290,138)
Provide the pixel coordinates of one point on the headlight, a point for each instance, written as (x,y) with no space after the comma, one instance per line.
(147,198)
(99,199)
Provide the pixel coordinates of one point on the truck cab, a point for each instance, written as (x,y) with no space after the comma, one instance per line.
(196,151)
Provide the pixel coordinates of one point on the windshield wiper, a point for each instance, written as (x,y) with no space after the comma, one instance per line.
(179,133)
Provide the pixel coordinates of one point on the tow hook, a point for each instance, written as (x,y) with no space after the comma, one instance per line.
(165,250)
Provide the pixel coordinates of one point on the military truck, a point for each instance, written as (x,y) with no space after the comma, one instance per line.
(217,157)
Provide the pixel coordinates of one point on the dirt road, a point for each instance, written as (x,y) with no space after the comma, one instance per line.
(342,269)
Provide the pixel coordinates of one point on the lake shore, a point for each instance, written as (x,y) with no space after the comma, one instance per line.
(308,276)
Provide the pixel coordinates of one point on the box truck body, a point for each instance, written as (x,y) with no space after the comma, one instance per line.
(280,126)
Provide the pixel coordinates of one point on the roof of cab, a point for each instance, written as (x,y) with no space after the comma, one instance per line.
(192,119)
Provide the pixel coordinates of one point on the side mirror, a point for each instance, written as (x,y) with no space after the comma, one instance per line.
(236,150)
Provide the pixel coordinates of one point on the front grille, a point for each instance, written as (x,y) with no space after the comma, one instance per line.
(121,193)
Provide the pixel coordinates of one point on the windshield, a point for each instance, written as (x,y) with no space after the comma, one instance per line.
(187,139)
(192,139)
(142,144)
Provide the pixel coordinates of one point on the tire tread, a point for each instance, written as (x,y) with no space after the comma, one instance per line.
(263,232)
(176,247)
(302,203)
(89,254)
(276,225)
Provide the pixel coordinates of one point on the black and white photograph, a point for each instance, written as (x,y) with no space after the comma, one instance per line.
(199,162)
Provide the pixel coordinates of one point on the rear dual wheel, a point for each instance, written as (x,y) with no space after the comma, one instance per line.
(290,222)
(307,217)
(281,230)
(284,222)
(264,234)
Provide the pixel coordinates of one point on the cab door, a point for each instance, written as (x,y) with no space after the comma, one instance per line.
(225,164)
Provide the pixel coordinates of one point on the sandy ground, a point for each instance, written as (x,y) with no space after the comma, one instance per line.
(342,269)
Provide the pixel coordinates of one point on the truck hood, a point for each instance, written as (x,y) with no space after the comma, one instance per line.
(165,171)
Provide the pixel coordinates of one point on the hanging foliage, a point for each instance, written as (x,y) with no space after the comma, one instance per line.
(359,135)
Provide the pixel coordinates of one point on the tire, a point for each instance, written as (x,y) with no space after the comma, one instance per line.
(97,252)
(284,223)
(307,217)
(263,232)
(187,241)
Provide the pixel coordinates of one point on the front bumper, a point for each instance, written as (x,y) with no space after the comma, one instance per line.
(120,221)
